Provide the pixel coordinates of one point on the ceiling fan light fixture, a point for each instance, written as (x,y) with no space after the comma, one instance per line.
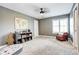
(41,12)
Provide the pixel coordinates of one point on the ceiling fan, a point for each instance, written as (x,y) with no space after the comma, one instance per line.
(42,11)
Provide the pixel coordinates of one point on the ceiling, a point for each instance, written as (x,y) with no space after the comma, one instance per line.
(32,9)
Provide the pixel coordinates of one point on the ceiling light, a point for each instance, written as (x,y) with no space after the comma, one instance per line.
(41,13)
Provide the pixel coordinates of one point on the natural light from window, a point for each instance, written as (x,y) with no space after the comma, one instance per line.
(60,25)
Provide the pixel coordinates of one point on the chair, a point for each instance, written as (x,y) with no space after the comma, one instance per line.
(63,37)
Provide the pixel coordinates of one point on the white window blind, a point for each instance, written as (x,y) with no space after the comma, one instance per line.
(55,26)
(71,26)
(63,25)
(60,25)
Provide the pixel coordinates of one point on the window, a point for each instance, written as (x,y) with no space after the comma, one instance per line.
(63,25)
(21,23)
(55,26)
(60,25)
(72,26)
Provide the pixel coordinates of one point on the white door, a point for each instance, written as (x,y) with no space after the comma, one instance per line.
(36,28)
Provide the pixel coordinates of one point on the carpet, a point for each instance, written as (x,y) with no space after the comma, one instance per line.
(47,45)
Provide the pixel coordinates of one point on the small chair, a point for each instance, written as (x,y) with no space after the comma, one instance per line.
(63,37)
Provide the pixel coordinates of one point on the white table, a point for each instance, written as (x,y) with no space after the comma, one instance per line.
(10,50)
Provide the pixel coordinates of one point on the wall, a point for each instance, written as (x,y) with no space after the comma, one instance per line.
(45,25)
(78,27)
(7,18)
(75,15)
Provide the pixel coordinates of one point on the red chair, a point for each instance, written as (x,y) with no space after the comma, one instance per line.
(63,37)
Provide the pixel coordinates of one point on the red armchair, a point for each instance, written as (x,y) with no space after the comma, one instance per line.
(63,37)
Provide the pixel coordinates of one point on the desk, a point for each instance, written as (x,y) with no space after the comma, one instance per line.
(27,34)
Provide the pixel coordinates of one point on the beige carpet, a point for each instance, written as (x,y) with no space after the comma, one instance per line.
(47,45)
